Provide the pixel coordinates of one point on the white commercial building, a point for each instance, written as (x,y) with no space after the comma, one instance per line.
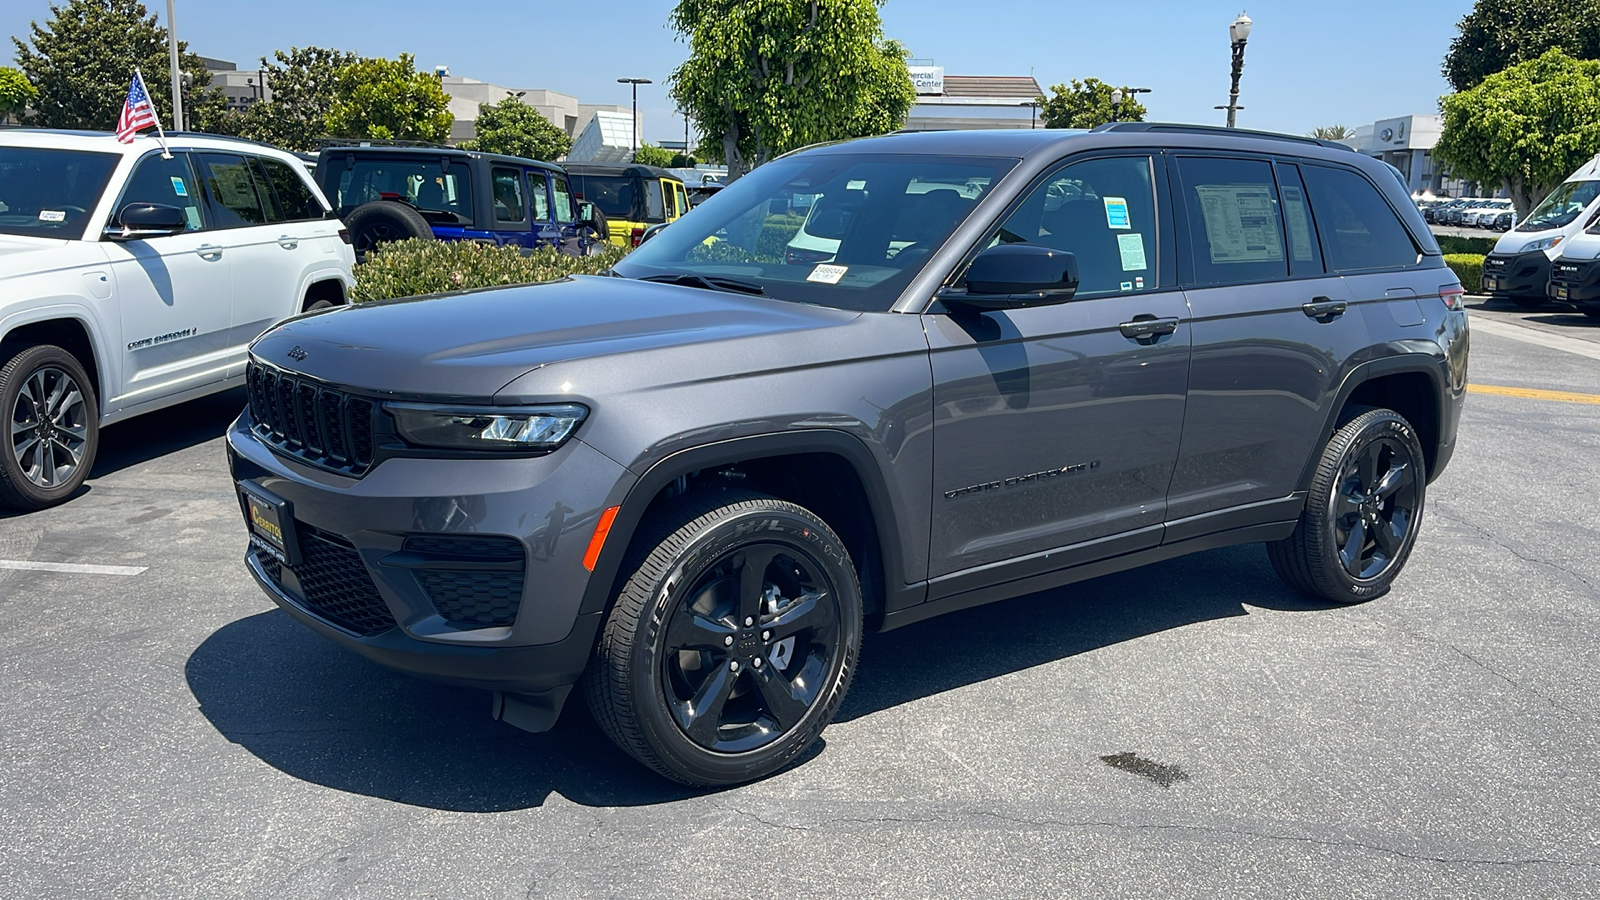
(562,109)
(1406,143)
(966,102)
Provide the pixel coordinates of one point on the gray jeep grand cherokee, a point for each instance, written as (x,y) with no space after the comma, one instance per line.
(868,383)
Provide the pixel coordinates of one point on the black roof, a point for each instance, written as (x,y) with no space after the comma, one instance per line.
(1025,142)
(593,168)
(414,150)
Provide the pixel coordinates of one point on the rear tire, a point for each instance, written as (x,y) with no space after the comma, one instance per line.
(52,427)
(732,642)
(1362,513)
(382,222)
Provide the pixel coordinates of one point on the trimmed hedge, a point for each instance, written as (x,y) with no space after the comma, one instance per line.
(413,267)
(1469,268)
(1451,244)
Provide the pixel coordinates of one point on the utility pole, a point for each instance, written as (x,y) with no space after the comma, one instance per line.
(635,82)
(172,60)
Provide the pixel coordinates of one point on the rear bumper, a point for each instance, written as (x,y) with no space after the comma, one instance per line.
(1516,275)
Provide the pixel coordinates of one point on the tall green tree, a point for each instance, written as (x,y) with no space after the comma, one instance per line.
(517,129)
(1525,129)
(81,62)
(16,92)
(1497,34)
(389,99)
(767,76)
(304,84)
(651,155)
(1087,104)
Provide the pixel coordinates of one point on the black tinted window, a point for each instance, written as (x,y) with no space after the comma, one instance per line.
(1359,229)
(232,187)
(443,194)
(1305,256)
(613,194)
(169,182)
(509,205)
(48,193)
(295,201)
(1235,228)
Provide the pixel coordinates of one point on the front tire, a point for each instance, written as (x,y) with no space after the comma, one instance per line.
(1362,514)
(732,642)
(52,427)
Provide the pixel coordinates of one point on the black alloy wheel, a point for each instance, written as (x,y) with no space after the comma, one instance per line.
(1362,513)
(52,430)
(732,642)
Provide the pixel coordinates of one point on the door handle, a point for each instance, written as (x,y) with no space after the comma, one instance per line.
(1147,329)
(288,241)
(1324,310)
(209,251)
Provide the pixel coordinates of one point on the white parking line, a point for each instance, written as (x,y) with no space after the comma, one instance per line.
(71,568)
(1535,336)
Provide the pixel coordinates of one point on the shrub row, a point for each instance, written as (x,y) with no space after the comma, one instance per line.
(1451,244)
(413,267)
(1469,268)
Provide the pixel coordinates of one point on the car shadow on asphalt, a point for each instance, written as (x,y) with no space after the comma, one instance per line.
(324,715)
(155,434)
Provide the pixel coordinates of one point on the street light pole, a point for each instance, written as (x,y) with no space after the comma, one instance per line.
(172,60)
(1239,34)
(635,82)
(1116,104)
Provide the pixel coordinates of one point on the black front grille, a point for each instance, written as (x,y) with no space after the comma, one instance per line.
(1495,265)
(334,583)
(465,594)
(311,421)
(1566,273)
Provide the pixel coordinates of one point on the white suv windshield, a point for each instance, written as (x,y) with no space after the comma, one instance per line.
(49,193)
(844,230)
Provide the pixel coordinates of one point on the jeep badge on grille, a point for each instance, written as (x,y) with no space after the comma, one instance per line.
(296,354)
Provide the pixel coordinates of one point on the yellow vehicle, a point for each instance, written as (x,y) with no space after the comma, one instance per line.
(632,197)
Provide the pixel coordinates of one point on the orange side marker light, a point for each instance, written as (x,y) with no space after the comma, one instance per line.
(601,529)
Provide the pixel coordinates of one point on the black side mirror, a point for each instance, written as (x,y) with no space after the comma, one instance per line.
(586,215)
(1011,276)
(147,220)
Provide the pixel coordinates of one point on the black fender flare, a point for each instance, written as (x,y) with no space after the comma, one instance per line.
(1403,363)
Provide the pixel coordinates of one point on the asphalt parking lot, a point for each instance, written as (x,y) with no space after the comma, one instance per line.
(167,733)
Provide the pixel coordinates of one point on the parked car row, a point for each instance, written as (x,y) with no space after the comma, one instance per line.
(1469,212)
(1555,253)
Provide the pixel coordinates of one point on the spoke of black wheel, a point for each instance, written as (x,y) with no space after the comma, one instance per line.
(1388,535)
(1347,500)
(753,579)
(701,715)
(805,612)
(1368,466)
(691,631)
(1399,476)
(785,707)
(1350,554)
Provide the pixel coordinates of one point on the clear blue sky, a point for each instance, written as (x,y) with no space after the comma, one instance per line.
(1308,63)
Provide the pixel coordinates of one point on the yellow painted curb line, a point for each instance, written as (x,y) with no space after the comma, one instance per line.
(1533,394)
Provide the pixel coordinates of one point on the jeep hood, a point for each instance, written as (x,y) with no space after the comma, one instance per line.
(468,346)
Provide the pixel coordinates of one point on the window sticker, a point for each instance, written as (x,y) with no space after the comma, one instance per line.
(1127,285)
(827,274)
(1117,213)
(1132,247)
(52,215)
(192,213)
(1294,208)
(1241,223)
(178,187)
(1138,283)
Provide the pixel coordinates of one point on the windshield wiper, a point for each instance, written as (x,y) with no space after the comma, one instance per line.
(709,282)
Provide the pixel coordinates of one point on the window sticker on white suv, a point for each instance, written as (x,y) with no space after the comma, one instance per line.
(178,187)
(1241,225)
(52,215)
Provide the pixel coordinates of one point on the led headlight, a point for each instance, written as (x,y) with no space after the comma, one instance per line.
(487,428)
(1541,244)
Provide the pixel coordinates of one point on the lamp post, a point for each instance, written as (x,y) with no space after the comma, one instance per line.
(1238,33)
(172,60)
(1033,112)
(1116,104)
(635,82)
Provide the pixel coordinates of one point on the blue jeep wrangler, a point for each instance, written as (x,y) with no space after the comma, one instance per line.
(393,192)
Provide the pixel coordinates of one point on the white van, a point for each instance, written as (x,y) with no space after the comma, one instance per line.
(1519,268)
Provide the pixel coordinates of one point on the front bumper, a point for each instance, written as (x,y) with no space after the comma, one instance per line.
(1516,275)
(363,585)
(1575,283)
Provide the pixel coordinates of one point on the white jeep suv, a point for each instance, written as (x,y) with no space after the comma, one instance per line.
(131,280)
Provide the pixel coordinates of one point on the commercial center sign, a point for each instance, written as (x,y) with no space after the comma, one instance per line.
(927,79)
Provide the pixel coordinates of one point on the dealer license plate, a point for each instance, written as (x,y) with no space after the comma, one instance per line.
(271,525)
(1491,284)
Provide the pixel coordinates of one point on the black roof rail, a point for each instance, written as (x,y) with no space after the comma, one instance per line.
(371,142)
(1216,131)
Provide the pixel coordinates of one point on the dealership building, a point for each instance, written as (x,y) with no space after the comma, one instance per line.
(965,102)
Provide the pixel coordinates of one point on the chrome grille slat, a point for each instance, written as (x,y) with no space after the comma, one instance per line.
(310,421)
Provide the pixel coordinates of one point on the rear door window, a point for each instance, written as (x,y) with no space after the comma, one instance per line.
(1359,229)
(509,205)
(294,200)
(654,210)
(1235,227)
(233,189)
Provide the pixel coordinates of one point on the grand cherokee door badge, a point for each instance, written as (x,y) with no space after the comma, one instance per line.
(1018,480)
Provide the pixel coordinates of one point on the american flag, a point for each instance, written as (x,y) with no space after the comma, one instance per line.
(137,112)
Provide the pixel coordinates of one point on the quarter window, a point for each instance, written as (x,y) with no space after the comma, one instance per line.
(235,197)
(508,203)
(1359,229)
(1305,256)
(1103,212)
(653,208)
(1235,226)
(169,182)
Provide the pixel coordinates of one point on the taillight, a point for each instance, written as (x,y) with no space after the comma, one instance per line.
(344,235)
(638,235)
(1452,295)
(794,257)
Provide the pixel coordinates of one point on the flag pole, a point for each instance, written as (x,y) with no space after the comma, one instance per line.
(172,62)
(160,135)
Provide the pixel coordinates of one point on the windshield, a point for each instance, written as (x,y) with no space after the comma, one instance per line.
(49,193)
(833,229)
(442,195)
(1562,206)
